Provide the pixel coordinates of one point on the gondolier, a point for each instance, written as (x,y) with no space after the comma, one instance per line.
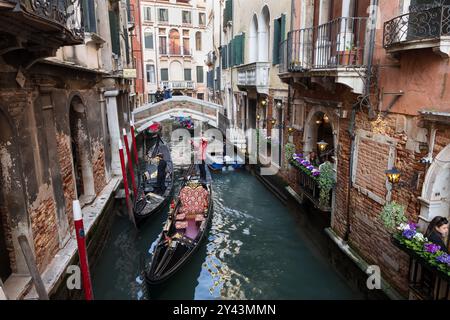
(200,159)
(161,176)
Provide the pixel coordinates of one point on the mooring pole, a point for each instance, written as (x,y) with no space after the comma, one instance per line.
(133,137)
(82,252)
(32,267)
(125,183)
(130,163)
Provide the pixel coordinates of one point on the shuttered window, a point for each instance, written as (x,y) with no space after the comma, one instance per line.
(279,31)
(200,75)
(224,54)
(115,34)
(187,74)
(90,23)
(228,12)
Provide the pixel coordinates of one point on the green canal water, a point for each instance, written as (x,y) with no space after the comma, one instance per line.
(257,248)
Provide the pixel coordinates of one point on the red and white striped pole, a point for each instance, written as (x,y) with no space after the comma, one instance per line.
(125,182)
(130,162)
(133,137)
(82,253)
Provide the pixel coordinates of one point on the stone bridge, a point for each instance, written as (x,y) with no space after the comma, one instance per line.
(184,106)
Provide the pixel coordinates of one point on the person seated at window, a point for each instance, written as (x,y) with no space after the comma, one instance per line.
(314,159)
(437,231)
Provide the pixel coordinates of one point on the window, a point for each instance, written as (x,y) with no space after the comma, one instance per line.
(147,13)
(186,17)
(198,41)
(200,74)
(150,68)
(148,39)
(186,50)
(278,37)
(163,45)
(163,15)
(90,23)
(187,74)
(201,19)
(200,96)
(151,97)
(164,74)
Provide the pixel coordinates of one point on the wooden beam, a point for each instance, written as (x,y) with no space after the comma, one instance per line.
(32,267)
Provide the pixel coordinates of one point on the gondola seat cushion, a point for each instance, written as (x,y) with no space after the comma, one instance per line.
(194,201)
(181,225)
(181,217)
(200,218)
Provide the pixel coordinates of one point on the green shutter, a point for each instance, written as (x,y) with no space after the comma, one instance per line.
(200,74)
(242,49)
(283,27)
(114,27)
(276,42)
(224,53)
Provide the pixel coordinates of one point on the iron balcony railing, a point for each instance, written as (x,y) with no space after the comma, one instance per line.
(419,24)
(175,51)
(178,85)
(67,13)
(311,190)
(338,43)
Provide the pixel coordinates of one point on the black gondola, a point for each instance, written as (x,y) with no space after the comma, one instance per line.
(184,230)
(148,202)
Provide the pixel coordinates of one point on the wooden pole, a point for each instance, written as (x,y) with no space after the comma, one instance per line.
(32,267)
(125,183)
(133,137)
(82,252)
(130,163)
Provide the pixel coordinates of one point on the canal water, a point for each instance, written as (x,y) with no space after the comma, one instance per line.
(257,248)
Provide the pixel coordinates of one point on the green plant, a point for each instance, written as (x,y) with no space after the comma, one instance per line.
(326,182)
(393,214)
(289,150)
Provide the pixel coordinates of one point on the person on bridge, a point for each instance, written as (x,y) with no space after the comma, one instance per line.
(200,149)
(159,95)
(167,93)
(161,175)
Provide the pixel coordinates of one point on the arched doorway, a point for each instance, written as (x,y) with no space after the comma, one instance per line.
(264,35)
(174,42)
(320,126)
(435,196)
(6,141)
(82,164)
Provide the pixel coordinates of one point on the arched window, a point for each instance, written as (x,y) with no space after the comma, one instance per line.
(264,35)
(198,41)
(174,42)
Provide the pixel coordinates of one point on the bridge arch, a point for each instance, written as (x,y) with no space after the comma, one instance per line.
(185,106)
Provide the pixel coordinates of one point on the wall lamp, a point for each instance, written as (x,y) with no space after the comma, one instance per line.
(393,175)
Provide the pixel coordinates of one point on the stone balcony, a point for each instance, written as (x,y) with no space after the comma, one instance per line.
(254,75)
(178,85)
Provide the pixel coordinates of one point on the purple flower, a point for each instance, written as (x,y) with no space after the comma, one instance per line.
(431,247)
(409,234)
(444,258)
(310,168)
(316,173)
(413,226)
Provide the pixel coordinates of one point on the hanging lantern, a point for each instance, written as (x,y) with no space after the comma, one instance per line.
(322,145)
(279,104)
(326,119)
(258,117)
(290,130)
(273,121)
(264,102)
(393,175)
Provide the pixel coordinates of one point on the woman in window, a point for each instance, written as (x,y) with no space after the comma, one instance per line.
(437,231)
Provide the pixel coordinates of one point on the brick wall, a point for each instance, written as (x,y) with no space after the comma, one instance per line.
(98,160)
(65,162)
(45,231)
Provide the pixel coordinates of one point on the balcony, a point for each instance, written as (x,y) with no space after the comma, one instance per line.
(175,52)
(178,85)
(310,189)
(254,75)
(59,22)
(423,27)
(335,49)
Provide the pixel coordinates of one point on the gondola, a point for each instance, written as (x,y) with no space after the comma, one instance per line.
(148,202)
(184,230)
(219,163)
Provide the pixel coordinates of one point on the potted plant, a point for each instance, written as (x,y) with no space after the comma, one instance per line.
(349,56)
(393,215)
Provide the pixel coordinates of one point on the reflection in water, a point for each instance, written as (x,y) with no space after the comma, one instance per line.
(255,250)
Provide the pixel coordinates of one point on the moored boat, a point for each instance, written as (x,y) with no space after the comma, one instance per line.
(184,230)
(150,200)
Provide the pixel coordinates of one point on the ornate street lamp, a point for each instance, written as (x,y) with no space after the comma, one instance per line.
(322,145)
(393,175)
